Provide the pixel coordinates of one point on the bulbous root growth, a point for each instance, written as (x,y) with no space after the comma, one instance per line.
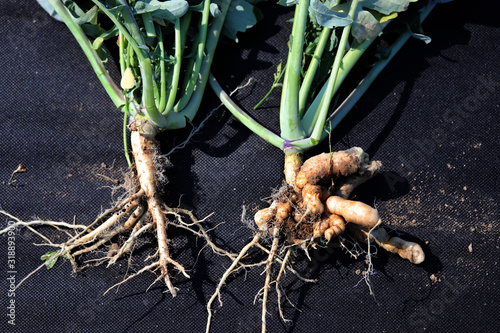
(119,228)
(313,206)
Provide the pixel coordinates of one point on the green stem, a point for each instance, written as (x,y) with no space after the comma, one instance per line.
(135,40)
(121,47)
(290,125)
(109,85)
(350,59)
(195,70)
(327,97)
(177,67)
(363,86)
(125,123)
(312,69)
(130,22)
(163,80)
(149,26)
(213,35)
(242,116)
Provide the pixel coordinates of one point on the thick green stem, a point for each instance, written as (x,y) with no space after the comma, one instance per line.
(95,61)
(121,48)
(290,125)
(149,26)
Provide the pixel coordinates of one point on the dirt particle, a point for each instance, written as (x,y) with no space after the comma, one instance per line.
(470,247)
(434,279)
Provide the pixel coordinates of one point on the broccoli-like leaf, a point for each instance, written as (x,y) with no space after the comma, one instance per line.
(328,16)
(166,10)
(386,7)
(240,17)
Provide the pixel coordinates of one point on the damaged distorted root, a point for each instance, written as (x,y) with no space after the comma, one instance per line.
(314,204)
(118,229)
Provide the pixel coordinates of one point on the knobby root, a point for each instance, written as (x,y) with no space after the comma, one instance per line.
(314,206)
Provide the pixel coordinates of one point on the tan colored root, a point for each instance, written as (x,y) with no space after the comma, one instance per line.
(226,274)
(127,245)
(307,210)
(330,227)
(293,162)
(407,250)
(133,218)
(353,211)
(143,149)
(264,216)
(311,198)
(327,165)
(347,185)
(106,213)
(144,269)
(202,233)
(277,282)
(135,209)
(267,283)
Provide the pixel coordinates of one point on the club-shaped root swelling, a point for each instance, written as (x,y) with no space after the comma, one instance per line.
(120,227)
(314,205)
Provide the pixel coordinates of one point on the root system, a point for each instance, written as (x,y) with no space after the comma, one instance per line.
(119,228)
(313,205)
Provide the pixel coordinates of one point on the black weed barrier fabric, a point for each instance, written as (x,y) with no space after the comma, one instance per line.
(431,117)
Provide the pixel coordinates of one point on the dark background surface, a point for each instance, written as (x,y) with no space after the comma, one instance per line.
(431,118)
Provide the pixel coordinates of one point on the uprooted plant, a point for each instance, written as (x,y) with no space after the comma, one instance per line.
(313,205)
(165,52)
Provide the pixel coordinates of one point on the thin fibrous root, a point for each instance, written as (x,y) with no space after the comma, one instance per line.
(202,233)
(277,282)
(19,223)
(226,274)
(127,245)
(144,269)
(293,271)
(267,283)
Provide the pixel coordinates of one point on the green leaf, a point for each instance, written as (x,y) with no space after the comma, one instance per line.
(166,10)
(328,17)
(50,258)
(365,26)
(88,17)
(386,6)
(288,3)
(240,17)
